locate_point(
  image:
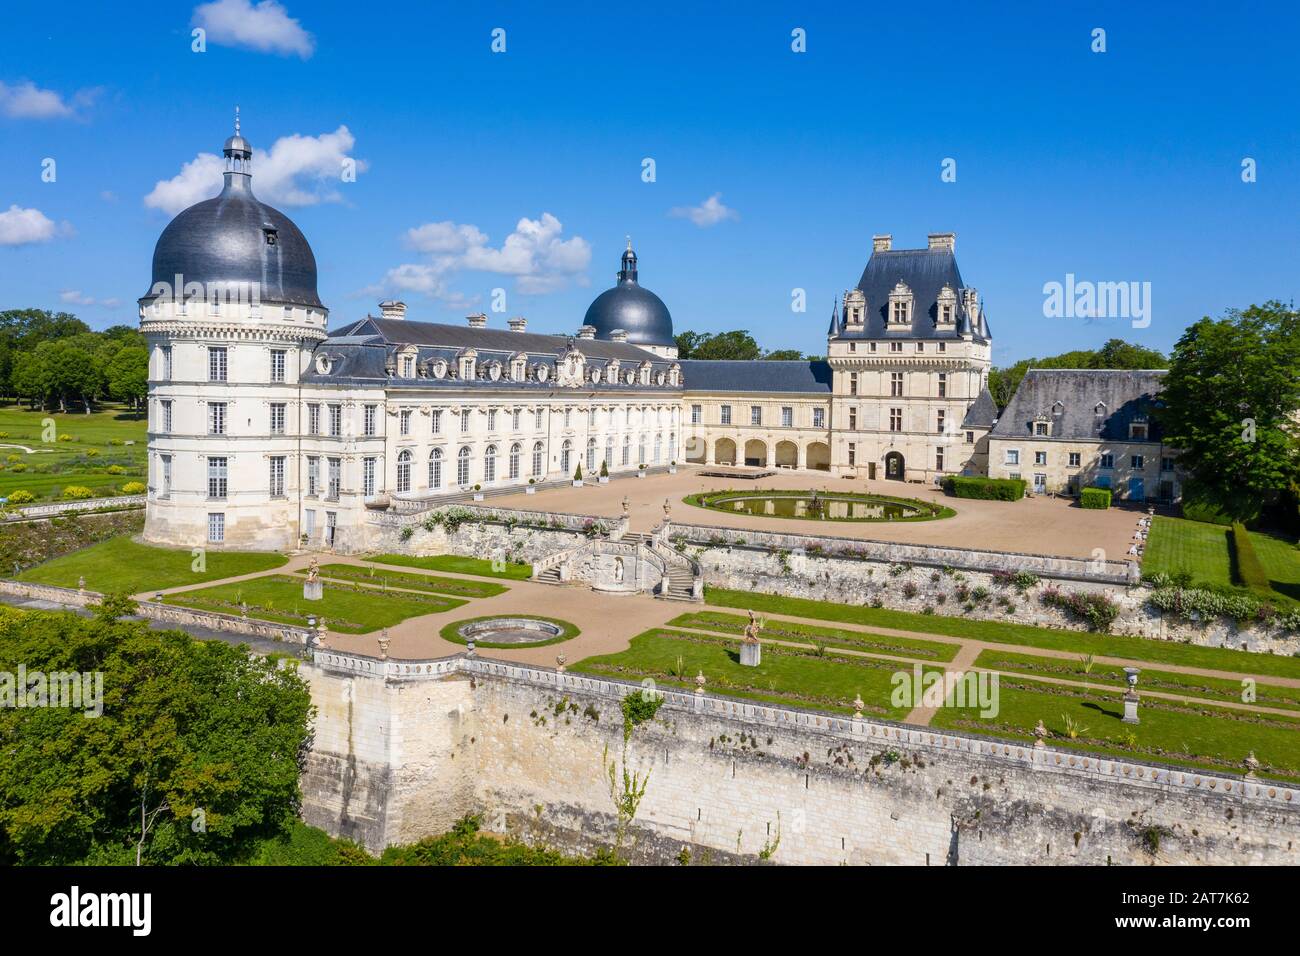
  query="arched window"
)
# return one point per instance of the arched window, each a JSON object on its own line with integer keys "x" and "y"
{"x": 404, "y": 470}
{"x": 627, "y": 449}
{"x": 640, "y": 449}
{"x": 565, "y": 454}
{"x": 659, "y": 447}
{"x": 462, "y": 467}
{"x": 538, "y": 469}
{"x": 515, "y": 449}
{"x": 591, "y": 454}
{"x": 435, "y": 470}
{"x": 490, "y": 465}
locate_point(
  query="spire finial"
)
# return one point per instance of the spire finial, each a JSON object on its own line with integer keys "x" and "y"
{"x": 236, "y": 120}
{"x": 629, "y": 243}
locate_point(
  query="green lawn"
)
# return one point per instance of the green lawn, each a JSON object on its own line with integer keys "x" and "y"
{"x": 53, "y": 465}
{"x": 456, "y": 565}
{"x": 1000, "y": 632}
{"x": 383, "y": 578}
{"x": 1212, "y": 738}
{"x": 786, "y": 676}
{"x": 1191, "y": 685}
{"x": 120, "y": 564}
{"x": 1205, "y": 551}
{"x": 345, "y": 609}
{"x": 812, "y": 634}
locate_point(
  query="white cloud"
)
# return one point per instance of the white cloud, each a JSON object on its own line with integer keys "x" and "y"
{"x": 296, "y": 171}
{"x": 535, "y": 254}
{"x": 26, "y": 100}
{"x": 21, "y": 227}
{"x": 708, "y": 213}
{"x": 265, "y": 27}
{"x": 75, "y": 297}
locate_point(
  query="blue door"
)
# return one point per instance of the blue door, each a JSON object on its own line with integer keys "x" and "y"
{"x": 1137, "y": 489}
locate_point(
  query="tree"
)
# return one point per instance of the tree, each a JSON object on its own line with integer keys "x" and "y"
{"x": 783, "y": 355}
{"x": 736, "y": 345}
{"x": 128, "y": 376}
{"x": 1230, "y": 403}
{"x": 186, "y": 726}
{"x": 686, "y": 343}
{"x": 21, "y": 330}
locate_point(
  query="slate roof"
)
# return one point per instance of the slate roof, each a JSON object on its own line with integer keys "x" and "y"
{"x": 983, "y": 411}
{"x": 925, "y": 272}
{"x": 1123, "y": 395}
{"x": 757, "y": 376}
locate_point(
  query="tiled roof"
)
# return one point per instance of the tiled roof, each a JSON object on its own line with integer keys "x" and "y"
{"x": 756, "y": 376}
{"x": 1083, "y": 404}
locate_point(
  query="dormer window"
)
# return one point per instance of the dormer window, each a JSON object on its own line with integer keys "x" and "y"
{"x": 1137, "y": 431}
{"x": 272, "y": 236}
{"x": 947, "y": 306}
{"x": 900, "y": 305}
{"x": 1058, "y": 409}
{"x": 1042, "y": 428}
{"x": 518, "y": 368}
{"x": 645, "y": 374}
{"x": 855, "y": 307}
{"x": 466, "y": 364}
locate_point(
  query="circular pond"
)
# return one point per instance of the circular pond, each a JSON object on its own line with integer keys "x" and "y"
{"x": 819, "y": 506}
{"x": 509, "y": 631}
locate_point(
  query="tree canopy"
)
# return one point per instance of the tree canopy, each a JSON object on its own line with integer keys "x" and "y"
{"x": 737, "y": 345}
{"x": 53, "y": 358}
{"x": 1116, "y": 353}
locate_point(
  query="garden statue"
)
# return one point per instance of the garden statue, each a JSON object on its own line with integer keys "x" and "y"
{"x": 751, "y": 651}
{"x": 1252, "y": 765}
{"x": 560, "y": 661}
{"x": 1040, "y": 731}
{"x": 668, "y": 509}
{"x": 625, "y": 503}
{"x": 618, "y": 570}
{"x": 858, "y": 704}
{"x": 384, "y": 641}
{"x": 313, "y": 589}
{"x": 1131, "y": 696}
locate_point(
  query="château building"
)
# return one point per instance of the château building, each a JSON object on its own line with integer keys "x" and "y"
{"x": 268, "y": 431}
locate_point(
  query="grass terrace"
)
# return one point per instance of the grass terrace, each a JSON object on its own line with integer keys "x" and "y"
{"x": 837, "y": 638}
{"x": 456, "y": 564}
{"x": 121, "y": 564}
{"x": 88, "y": 451}
{"x": 1204, "y": 551}
{"x": 344, "y": 608}
{"x": 386, "y": 579}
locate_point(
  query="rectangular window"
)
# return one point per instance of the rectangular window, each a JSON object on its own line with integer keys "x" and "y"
{"x": 216, "y": 365}
{"x": 895, "y": 346}
{"x": 165, "y": 426}
{"x": 568, "y": 418}
{"x": 166, "y": 490}
{"x": 726, "y": 414}
{"x": 1040, "y": 428}
{"x": 492, "y": 419}
{"x": 437, "y": 421}
{"x": 787, "y": 416}
{"x": 970, "y": 438}
{"x": 853, "y": 419}
{"x": 336, "y": 421}
{"x": 404, "y": 421}
{"x": 277, "y": 418}
{"x": 335, "y": 478}
{"x": 943, "y": 346}
{"x": 217, "y": 418}
{"x": 1137, "y": 431}
{"x": 819, "y": 418}
{"x": 368, "y": 477}
{"x": 216, "y": 528}
{"x": 408, "y": 366}
{"x": 277, "y": 476}
{"x": 1040, "y": 458}
{"x": 313, "y": 419}
{"x": 1137, "y": 462}
{"x": 896, "y": 384}
{"x": 938, "y": 459}
{"x": 331, "y": 523}
{"x": 853, "y": 383}
{"x": 943, "y": 384}
{"x": 369, "y": 419}
{"x": 309, "y": 523}
{"x": 920, "y": 346}
{"x": 277, "y": 365}
{"x": 1166, "y": 464}
{"x": 756, "y": 414}
{"x": 1107, "y": 461}
{"x": 464, "y": 419}
{"x": 217, "y": 476}
{"x": 895, "y": 419}
{"x": 166, "y": 363}
{"x": 313, "y": 475}
{"x": 853, "y": 454}
{"x": 514, "y": 420}
{"x": 697, "y": 414}
{"x": 941, "y": 419}
{"x": 1012, "y": 456}
{"x": 1075, "y": 459}
{"x": 537, "y": 420}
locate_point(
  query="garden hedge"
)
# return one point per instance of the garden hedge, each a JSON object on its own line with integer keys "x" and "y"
{"x": 1095, "y": 498}
{"x": 991, "y": 489}
{"x": 1250, "y": 571}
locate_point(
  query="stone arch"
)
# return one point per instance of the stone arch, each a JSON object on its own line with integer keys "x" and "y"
{"x": 895, "y": 466}
{"x": 696, "y": 449}
{"x": 818, "y": 456}
{"x": 724, "y": 451}
{"x": 787, "y": 454}
{"x": 756, "y": 452}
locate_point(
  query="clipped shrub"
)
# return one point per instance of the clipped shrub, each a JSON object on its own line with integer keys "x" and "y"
{"x": 92, "y": 452}
{"x": 1250, "y": 572}
{"x": 77, "y": 493}
{"x": 1098, "y": 498}
{"x": 990, "y": 489}
{"x": 21, "y": 496}
{"x": 115, "y": 470}
{"x": 1097, "y": 610}
{"x": 20, "y": 466}
{"x": 133, "y": 488}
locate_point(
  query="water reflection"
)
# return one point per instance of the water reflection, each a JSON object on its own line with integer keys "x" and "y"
{"x": 817, "y": 508}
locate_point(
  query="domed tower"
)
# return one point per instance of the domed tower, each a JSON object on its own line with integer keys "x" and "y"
{"x": 635, "y": 310}
{"x": 231, "y": 318}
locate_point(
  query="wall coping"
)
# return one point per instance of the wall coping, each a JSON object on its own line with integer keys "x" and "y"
{"x": 1017, "y": 752}
{"x": 119, "y": 503}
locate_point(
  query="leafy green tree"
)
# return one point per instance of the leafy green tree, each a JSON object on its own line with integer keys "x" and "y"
{"x": 737, "y": 344}
{"x": 21, "y": 330}
{"x": 195, "y": 758}
{"x": 783, "y": 355}
{"x": 1230, "y": 404}
{"x": 128, "y": 376}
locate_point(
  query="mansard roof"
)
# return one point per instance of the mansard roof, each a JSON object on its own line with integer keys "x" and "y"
{"x": 983, "y": 412}
{"x": 925, "y": 272}
{"x": 1083, "y": 404}
{"x": 758, "y": 376}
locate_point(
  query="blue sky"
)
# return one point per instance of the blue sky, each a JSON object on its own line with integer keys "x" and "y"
{"x": 1115, "y": 166}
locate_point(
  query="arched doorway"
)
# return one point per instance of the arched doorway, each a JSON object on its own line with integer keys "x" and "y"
{"x": 755, "y": 453}
{"x": 787, "y": 454}
{"x": 724, "y": 451}
{"x": 818, "y": 456}
{"x": 895, "y": 467}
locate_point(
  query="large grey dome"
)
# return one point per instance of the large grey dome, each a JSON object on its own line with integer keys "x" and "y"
{"x": 629, "y": 307}
{"x": 236, "y": 239}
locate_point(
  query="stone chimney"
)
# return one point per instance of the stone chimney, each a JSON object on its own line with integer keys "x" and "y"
{"x": 587, "y": 332}
{"x": 477, "y": 321}
{"x": 943, "y": 240}
{"x": 618, "y": 335}
{"x": 391, "y": 309}
{"x": 882, "y": 243}
{"x": 518, "y": 324}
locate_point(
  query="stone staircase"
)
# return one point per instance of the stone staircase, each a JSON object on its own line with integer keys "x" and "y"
{"x": 678, "y": 583}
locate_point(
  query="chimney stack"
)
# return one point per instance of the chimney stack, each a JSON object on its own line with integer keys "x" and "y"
{"x": 618, "y": 335}
{"x": 943, "y": 240}
{"x": 882, "y": 243}
{"x": 587, "y": 332}
{"x": 518, "y": 324}
{"x": 391, "y": 309}
{"x": 477, "y": 321}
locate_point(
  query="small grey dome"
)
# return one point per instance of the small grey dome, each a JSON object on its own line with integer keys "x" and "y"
{"x": 628, "y": 306}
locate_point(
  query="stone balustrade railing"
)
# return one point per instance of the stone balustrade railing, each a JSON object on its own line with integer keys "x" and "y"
{"x": 121, "y": 502}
